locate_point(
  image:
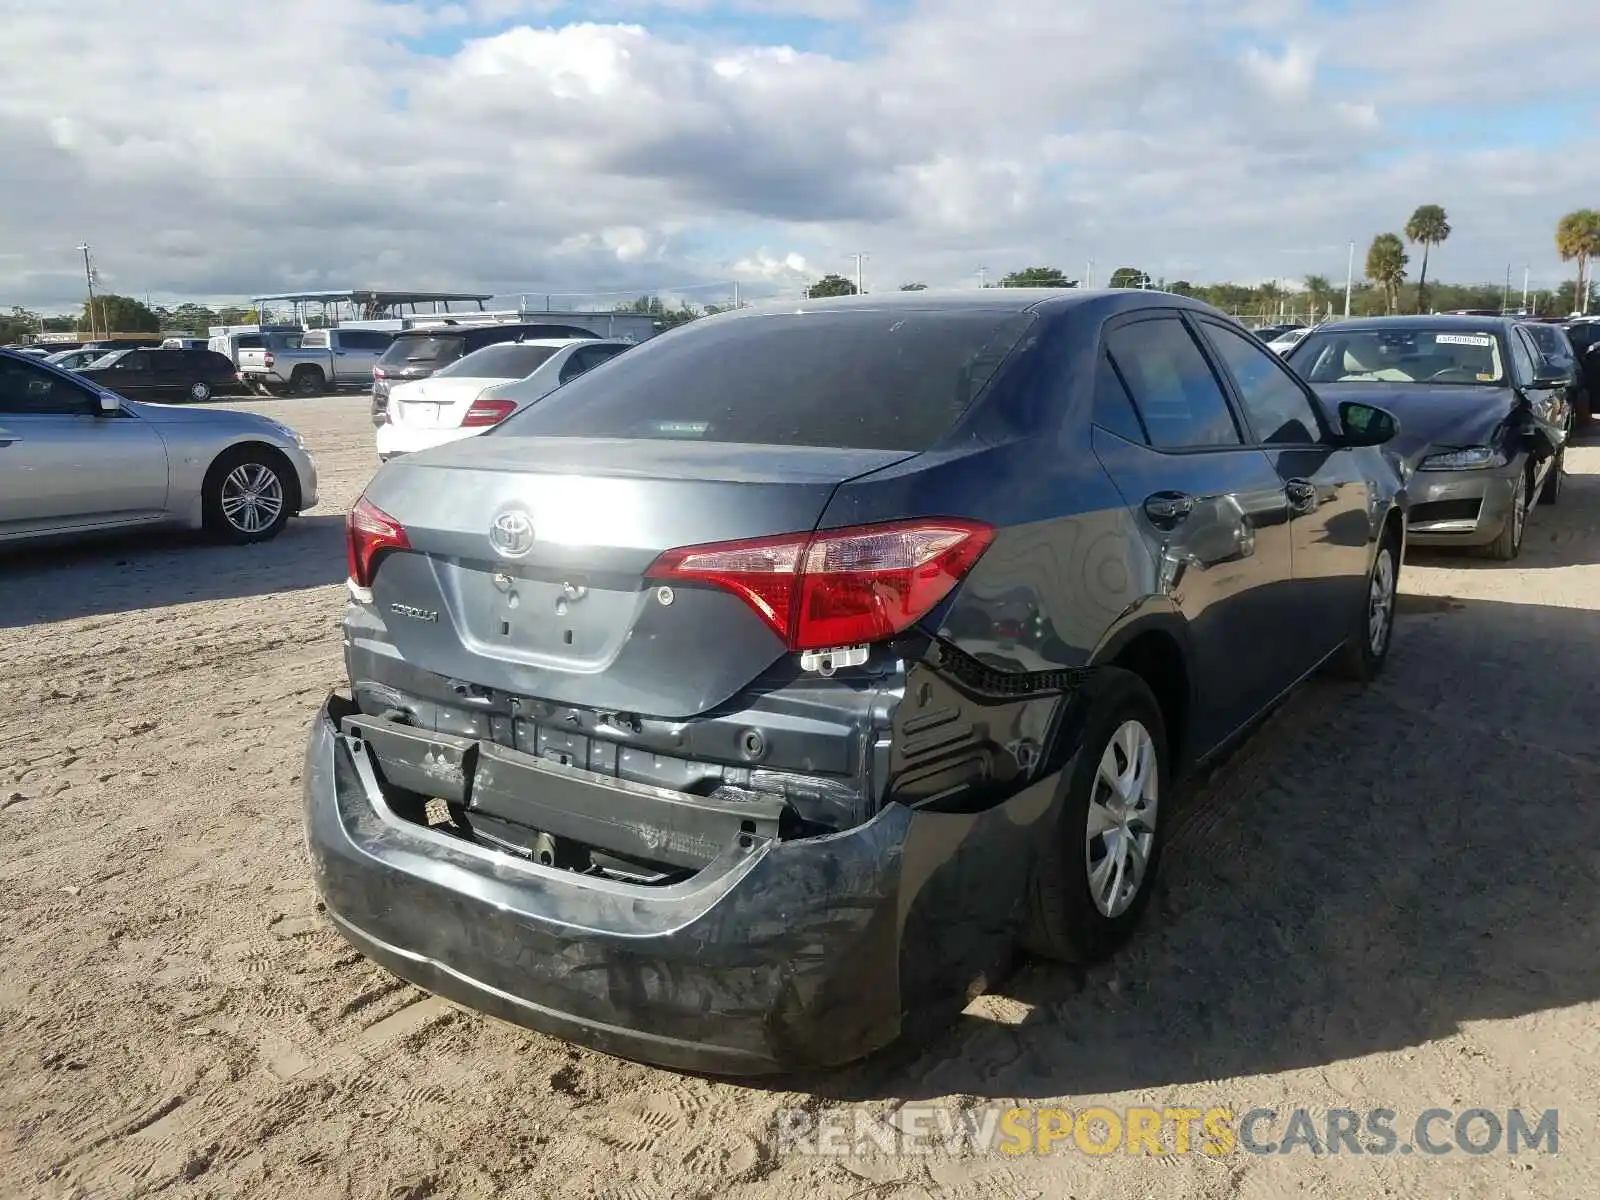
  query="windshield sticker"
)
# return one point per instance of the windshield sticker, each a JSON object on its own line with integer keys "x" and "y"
{"x": 1463, "y": 339}
{"x": 1488, "y": 378}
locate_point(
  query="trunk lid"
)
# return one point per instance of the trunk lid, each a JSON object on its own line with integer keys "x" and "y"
{"x": 436, "y": 403}
{"x": 571, "y": 619}
{"x": 253, "y": 358}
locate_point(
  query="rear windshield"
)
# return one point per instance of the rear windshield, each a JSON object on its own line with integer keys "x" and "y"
{"x": 870, "y": 379}
{"x": 505, "y": 361}
{"x": 431, "y": 351}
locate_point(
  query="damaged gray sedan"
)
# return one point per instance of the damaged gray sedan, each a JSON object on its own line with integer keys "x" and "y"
{"x": 746, "y": 703}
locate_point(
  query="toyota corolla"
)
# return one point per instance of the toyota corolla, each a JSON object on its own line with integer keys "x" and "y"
{"x": 742, "y": 705}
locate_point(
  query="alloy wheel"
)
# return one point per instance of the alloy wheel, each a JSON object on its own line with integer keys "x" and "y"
{"x": 252, "y": 497}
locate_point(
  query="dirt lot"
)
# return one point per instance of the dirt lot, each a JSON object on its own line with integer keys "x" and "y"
{"x": 1389, "y": 898}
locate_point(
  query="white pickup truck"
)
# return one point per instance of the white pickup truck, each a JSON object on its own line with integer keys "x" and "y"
{"x": 313, "y": 361}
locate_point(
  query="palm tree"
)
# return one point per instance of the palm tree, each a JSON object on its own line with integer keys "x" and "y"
{"x": 1578, "y": 237}
{"x": 1386, "y": 266}
{"x": 1270, "y": 294}
{"x": 1427, "y": 227}
{"x": 1319, "y": 292}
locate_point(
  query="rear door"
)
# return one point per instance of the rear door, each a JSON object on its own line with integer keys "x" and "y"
{"x": 171, "y": 373}
{"x": 1329, "y": 495}
{"x": 63, "y": 466}
{"x": 1213, "y": 508}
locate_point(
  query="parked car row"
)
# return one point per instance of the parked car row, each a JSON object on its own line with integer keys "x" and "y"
{"x": 743, "y": 699}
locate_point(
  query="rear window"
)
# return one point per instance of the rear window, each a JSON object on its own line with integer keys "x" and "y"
{"x": 506, "y": 361}
{"x": 870, "y": 379}
{"x": 429, "y": 351}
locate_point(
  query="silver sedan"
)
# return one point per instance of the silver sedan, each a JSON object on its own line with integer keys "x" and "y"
{"x": 76, "y": 458}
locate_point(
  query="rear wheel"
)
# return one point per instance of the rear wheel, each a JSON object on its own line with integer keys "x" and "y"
{"x": 1509, "y": 544}
{"x": 199, "y": 391}
{"x": 1096, "y": 868}
{"x": 306, "y": 381}
{"x": 246, "y": 496}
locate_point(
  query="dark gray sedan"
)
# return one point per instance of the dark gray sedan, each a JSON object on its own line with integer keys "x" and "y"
{"x": 1483, "y": 419}
{"x": 742, "y": 704}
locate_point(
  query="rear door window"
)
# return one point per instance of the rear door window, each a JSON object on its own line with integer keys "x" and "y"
{"x": 1113, "y": 407}
{"x": 585, "y": 359}
{"x": 1177, "y": 394}
{"x": 892, "y": 379}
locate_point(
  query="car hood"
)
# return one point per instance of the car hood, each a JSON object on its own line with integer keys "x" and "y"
{"x": 220, "y": 419}
{"x": 1431, "y": 414}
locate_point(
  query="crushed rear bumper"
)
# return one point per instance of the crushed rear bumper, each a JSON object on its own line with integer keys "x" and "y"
{"x": 774, "y": 956}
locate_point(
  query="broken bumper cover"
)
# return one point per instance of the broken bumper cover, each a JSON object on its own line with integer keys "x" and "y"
{"x": 776, "y": 956}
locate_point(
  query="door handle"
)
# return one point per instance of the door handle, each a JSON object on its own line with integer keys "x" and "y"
{"x": 1302, "y": 494}
{"x": 1166, "y": 509}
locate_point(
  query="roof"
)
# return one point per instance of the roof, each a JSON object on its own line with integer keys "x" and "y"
{"x": 1003, "y": 299}
{"x": 1443, "y": 321}
{"x": 376, "y": 296}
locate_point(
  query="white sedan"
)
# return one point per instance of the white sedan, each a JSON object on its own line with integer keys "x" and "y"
{"x": 1286, "y": 342}
{"x": 481, "y": 389}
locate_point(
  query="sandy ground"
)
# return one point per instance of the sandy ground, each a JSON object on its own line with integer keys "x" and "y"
{"x": 1388, "y": 898}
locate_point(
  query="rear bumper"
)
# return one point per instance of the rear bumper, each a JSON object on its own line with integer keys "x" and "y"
{"x": 776, "y": 956}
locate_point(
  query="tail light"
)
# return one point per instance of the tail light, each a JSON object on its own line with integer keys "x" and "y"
{"x": 487, "y": 412}
{"x": 369, "y": 531}
{"x": 268, "y": 359}
{"x": 837, "y": 587}
{"x": 377, "y": 372}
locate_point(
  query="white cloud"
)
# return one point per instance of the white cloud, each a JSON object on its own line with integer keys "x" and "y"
{"x": 314, "y": 143}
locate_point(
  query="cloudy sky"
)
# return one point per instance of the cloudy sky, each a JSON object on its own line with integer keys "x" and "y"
{"x": 212, "y": 150}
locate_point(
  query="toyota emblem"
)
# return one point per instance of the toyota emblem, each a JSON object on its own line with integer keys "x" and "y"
{"x": 511, "y": 535}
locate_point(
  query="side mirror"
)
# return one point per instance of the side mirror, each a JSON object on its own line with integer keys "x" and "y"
{"x": 1367, "y": 424}
{"x": 1547, "y": 377}
{"x": 110, "y": 404}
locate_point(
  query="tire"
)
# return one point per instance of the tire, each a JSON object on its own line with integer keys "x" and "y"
{"x": 1550, "y": 493}
{"x": 1065, "y": 921}
{"x": 1508, "y": 545}
{"x": 306, "y": 381}
{"x": 199, "y": 391}
{"x": 237, "y": 474}
{"x": 1367, "y": 647}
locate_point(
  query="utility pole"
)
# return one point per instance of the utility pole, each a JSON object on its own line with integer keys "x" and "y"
{"x": 736, "y": 303}
{"x": 88, "y": 277}
{"x": 1089, "y": 275}
{"x": 983, "y": 278}
{"x": 1349, "y": 279}
{"x": 860, "y": 257}
{"x": 1524, "y": 289}
{"x": 1505, "y": 299}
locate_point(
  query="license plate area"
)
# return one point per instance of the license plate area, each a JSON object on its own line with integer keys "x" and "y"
{"x": 567, "y": 620}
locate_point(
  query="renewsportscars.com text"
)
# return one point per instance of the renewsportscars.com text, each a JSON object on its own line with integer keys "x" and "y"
{"x": 1213, "y": 1131}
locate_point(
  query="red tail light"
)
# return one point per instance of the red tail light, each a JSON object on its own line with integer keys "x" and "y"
{"x": 377, "y": 372}
{"x": 268, "y": 359}
{"x": 487, "y": 412}
{"x": 837, "y": 587}
{"x": 369, "y": 531}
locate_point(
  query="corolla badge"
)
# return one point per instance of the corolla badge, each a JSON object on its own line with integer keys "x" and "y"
{"x": 511, "y": 535}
